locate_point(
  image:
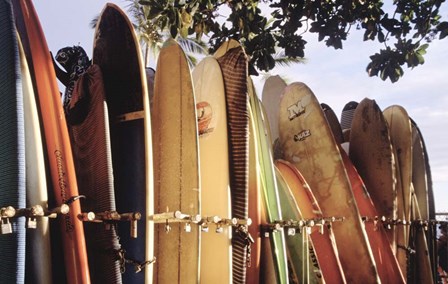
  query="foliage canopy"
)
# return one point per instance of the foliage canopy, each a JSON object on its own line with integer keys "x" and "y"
{"x": 405, "y": 28}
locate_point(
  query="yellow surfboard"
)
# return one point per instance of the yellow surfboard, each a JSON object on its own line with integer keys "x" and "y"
{"x": 176, "y": 167}
{"x": 216, "y": 246}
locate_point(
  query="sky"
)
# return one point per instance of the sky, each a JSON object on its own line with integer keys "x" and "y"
{"x": 335, "y": 76}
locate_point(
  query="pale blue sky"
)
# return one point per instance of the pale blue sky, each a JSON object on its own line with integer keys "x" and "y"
{"x": 335, "y": 76}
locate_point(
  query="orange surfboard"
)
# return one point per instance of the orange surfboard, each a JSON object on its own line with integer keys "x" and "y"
{"x": 61, "y": 166}
{"x": 324, "y": 247}
{"x": 386, "y": 262}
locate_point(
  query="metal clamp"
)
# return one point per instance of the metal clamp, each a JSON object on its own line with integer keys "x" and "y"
{"x": 294, "y": 226}
{"x": 222, "y": 222}
{"x": 31, "y": 214}
{"x": 108, "y": 217}
{"x": 175, "y": 217}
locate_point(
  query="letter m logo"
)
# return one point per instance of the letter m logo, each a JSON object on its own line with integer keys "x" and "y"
{"x": 295, "y": 110}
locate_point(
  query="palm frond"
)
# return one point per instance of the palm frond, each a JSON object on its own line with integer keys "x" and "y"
{"x": 190, "y": 45}
{"x": 288, "y": 61}
{"x": 94, "y": 21}
{"x": 282, "y": 60}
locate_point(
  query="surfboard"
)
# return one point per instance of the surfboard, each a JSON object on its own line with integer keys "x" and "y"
{"x": 267, "y": 263}
{"x": 419, "y": 181}
{"x": 216, "y": 246}
{"x": 386, "y": 262}
{"x": 58, "y": 148}
{"x": 400, "y": 134}
{"x": 12, "y": 151}
{"x": 333, "y": 122}
{"x": 117, "y": 53}
{"x": 269, "y": 186}
{"x": 298, "y": 243}
{"x": 255, "y": 206}
{"x": 420, "y": 269}
{"x": 308, "y": 143}
{"x": 38, "y": 247}
{"x": 271, "y": 94}
{"x": 233, "y": 63}
{"x": 176, "y": 166}
{"x": 372, "y": 155}
{"x": 431, "y": 231}
{"x": 347, "y": 118}
{"x": 324, "y": 251}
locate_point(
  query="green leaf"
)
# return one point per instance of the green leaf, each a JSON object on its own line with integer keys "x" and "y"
{"x": 443, "y": 29}
{"x": 420, "y": 58}
{"x": 422, "y": 49}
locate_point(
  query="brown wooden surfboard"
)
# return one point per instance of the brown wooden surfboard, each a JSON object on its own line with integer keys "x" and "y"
{"x": 308, "y": 143}
{"x": 372, "y": 154}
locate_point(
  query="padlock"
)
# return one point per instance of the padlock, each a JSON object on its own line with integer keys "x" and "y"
{"x": 187, "y": 228}
{"x": 6, "y": 227}
{"x": 308, "y": 230}
{"x": 219, "y": 230}
{"x": 31, "y": 223}
{"x": 291, "y": 231}
{"x": 204, "y": 228}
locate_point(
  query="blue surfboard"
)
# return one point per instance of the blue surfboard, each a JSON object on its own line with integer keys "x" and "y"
{"x": 12, "y": 151}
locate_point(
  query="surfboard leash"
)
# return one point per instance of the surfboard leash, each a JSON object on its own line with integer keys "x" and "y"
{"x": 138, "y": 265}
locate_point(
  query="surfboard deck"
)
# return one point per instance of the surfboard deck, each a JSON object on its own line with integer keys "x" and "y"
{"x": 308, "y": 143}
{"x": 347, "y": 118}
{"x": 301, "y": 269}
{"x": 333, "y": 122}
{"x": 386, "y": 262}
{"x": 255, "y": 205}
{"x": 38, "y": 246}
{"x": 324, "y": 246}
{"x": 372, "y": 154}
{"x": 423, "y": 265}
{"x": 420, "y": 270}
{"x": 58, "y": 148}
{"x": 269, "y": 186}
{"x": 117, "y": 52}
{"x": 431, "y": 232}
{"x": 12, "y": 151}
{"x": 216, "y": 248}
{"x": 271, "y": 94}
{"x": 400, "y": 134}
{"x": 234, "y": 66}
{"x": 176, "y": 170}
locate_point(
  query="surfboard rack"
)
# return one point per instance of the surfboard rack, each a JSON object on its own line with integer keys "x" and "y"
{"x": 222, "y": 222}
{"x": 175, "y": 217}
{"x": 204, "y": 222}
{"x": 31, "y": 214}
{"x": 388, "y": 222}
{"x": 110, "y": 217}
{"x": 294, "y": 226}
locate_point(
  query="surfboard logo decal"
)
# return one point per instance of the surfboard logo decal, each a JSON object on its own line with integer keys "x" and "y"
{"x": 204, "y": 114}
{"x": 299, "y": 108}
{"x": 63, "y": 188}
{"x": 302, "y": 135}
